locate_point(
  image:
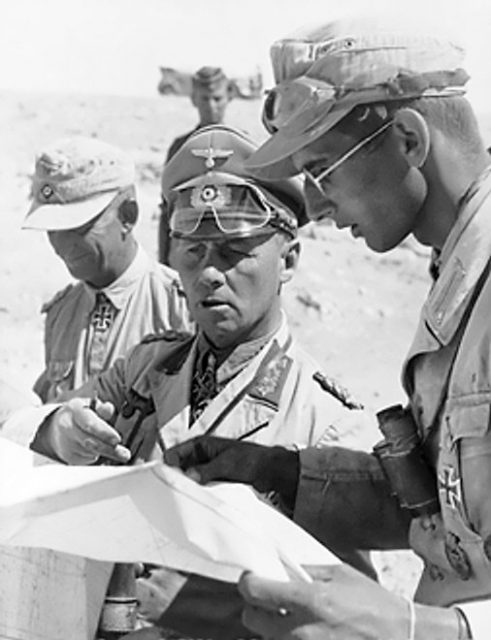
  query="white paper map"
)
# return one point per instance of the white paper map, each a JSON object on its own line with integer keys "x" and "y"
{"x": 149, "y": 513}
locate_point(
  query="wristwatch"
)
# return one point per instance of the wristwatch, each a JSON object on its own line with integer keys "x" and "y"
{"x": 464, "y": 627}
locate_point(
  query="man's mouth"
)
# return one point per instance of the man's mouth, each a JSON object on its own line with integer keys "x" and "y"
{"x": 211, "y": 303}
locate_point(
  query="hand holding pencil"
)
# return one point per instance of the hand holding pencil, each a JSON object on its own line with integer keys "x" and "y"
{"x": 79, "y": 432}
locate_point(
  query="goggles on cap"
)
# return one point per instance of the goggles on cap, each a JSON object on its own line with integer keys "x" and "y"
{"x": 235, "y": 209}
{"x": 301, "y": 105}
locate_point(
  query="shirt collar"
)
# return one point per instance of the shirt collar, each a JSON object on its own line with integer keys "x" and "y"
{"x": 233, "y": 359}
{"x": 463, "y": 258}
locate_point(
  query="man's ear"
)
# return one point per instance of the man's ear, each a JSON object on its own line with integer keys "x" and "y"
{"x": 414, "y": 136}
{"x": 128, "y": 215}
{"x": 290, "y": 256}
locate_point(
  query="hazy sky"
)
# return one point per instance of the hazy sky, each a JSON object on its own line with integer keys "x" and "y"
{"x": 116, "y": 46}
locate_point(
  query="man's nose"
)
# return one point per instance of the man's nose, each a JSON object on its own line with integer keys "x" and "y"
{"x": 212, "y": 272}
{"x": 317, "y": 203}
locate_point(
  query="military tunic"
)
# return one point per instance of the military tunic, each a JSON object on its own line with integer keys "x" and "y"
{"x": 272, "y": 399}
{"x": 146, "y": 298}
{"x": 448, "y": 379}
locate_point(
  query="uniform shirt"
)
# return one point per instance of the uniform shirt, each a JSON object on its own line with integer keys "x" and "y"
{"x": 147, "y": 298}
{"x": 447, "y": 376}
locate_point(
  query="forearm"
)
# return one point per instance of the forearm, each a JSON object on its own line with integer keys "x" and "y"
{"x": 344, "y": 500}
{"x": 41, "y": 442}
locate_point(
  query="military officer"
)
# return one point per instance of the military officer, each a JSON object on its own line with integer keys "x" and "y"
{"x": 83, "y": 195}
{"x": 375, "y": 118}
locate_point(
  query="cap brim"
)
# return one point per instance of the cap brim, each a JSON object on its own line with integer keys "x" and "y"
{"x": 215, "y": 177}
{"x": 60, "y": 217}
{"x": 273, "y": 159}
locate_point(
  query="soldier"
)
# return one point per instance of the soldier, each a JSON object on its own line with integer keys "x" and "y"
{"x": 242, "y": 375}
{"x": 376, "y": 120}
{"x": 83, "y": 195}
{"x": 210, "y": 94}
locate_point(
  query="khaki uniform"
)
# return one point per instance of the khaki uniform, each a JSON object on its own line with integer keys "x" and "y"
{"x": 272, "y": 400}
{"x": 147, "y": 299}
{"x": 448, "y": 379}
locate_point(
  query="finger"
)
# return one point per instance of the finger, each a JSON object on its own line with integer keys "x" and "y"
{"x": 182, "y": 455}
{"x": 104, "y": 410}
{"x": 224, "y": 467}
{"x": 273, "y": 595}
{"x": 222, "y": 459}
{"x": 194, "y": 475}
{"x": 91, "y": 424}
{"x": 320, "y": 573}
{"x": 87, "y": 446}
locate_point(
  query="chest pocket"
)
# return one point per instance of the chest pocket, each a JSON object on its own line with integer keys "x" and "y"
{"x": 468, "y": 421}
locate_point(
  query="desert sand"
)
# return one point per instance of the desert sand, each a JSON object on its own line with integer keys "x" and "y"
{"x": 354, "y": 310}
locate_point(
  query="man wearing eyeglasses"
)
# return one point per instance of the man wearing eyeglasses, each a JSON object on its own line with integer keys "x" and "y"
{"x": 83, "y": 195}
{"x": 374, "y": 116}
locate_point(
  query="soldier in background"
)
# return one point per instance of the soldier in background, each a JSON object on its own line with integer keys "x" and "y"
{"x": 83, "y": 195}
{"x": 210, "y": 94}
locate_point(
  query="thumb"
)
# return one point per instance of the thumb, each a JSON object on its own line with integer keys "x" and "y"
{"x": 105, "y": 410}
{"x": 224, "y": 467}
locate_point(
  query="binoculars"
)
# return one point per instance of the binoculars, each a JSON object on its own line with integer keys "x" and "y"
{"x": 404, "y": 463}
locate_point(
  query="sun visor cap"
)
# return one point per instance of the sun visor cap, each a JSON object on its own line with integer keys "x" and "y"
{"x": 74, "y": 180}
{"x": 322, "y": 74}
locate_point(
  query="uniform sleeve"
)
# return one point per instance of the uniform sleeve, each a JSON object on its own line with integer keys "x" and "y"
{"x": 343, "y": 495}
{"x": 22, "y": 426}
{"x": 41, "y": 386}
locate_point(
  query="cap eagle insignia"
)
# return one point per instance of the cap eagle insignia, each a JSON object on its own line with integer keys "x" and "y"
{"x": 211, "y": 155}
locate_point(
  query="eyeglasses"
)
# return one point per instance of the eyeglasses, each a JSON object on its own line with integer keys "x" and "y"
{"x": 317, "y": 180}
{"x": 234, "y": 209}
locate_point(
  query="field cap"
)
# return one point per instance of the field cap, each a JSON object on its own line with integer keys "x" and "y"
{"x": 209, "y": 77}
{"x": 321, "y": 74}
{"x": 74, "y": 180}
{"x": 212, "y": 193}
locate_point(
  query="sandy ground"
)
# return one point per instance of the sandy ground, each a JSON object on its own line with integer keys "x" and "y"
{"x": 354, "y": 310}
